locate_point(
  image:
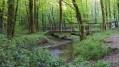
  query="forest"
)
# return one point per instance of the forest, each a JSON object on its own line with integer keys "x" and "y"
{"x": 59, "y": 33}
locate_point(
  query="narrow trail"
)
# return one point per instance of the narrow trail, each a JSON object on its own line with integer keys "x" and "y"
{"x": 113, "y": 58}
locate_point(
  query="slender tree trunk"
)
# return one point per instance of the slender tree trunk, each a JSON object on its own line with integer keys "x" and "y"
{"x": 115, "y": 17}
{"x": 114, "y": 12}
{"x": 36, "y": 14}
{"x": 1, "y": 21}
{"x": 118, "y": 9}
{"x": 60, "y": 21}
{"x": 10, "y": 24}
{"x": 79, "y": 19}
{"x": 50, "y": 22}
{"x": 31, "y": 18}
{"x": 106, "y": 10}
{"x": 27, "y": 16}
{"x": 43, "y": 23}
{"x": 110, "y": 10}
{"x": 53, "y": 18}
{"x": 95, "y": 12}
{"x": 87, "y": 16}
{"x": 103, "y": 15}
{"x": 15, "y": 15}
{"x": 1, "y": 16}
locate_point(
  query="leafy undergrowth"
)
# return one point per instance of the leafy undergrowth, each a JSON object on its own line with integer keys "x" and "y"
{"x": 19, "y": 52}
{"x": 31, "y": 37}
{"x": 23, "y": 51}
{"x": 93, "y": 48}
{"x": 81, "y": 62}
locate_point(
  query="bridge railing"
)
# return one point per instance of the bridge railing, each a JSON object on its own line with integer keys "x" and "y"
{"x": 90, "y": 27}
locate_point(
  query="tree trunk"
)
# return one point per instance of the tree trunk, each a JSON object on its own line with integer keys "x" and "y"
{"x": 103, "y": 15}
{"x": 43, "y": 22}
{"x": 31, "y": 18}
{"x": 15, "y": 16}
{"x": 60, "y": 21}
{"x": 1, "y": 16}
{"x": 36, "y": 14}
{"x": 106, "y": 11}
{"x": 53, "y": 17}
{"x": 118, "y": 9}
{"x": 95, "y": 12}
{"x": 10, "y": 24}
{"x": 79, "y": 19}
{"x": 110, "y": 16}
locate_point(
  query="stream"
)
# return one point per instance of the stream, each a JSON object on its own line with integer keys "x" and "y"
{"x": 65, "y": 51}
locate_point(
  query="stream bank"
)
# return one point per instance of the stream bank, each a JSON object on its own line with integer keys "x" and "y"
{"x": 62, "y": 48}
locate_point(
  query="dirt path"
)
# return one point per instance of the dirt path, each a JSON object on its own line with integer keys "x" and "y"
{"x": 113, "y": 58}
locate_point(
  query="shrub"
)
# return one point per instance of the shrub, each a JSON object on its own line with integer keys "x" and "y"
{"x": 93, "y": 47}
{"x": 22, "y": 54}
{"x": 91, "y": 50}
{"x": 102, "y": 63}
{"x": 29, "y": 38}
{"x": 81, "y": 62}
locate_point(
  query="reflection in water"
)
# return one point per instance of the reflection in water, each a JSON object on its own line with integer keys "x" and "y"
{"x": 64, "y": 51}
{"x": 56, "y": 52}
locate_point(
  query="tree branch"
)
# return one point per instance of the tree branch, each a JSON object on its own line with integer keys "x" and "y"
{"x": 68, "y": 4}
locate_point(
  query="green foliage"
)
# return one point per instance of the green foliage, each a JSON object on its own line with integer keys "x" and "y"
{"x": 81, "y": 62}
{"x": 21, "y": 30}
{"x": 92, "y": 47}
{"x": 26, "y": 54}
{"x": 102, "y": 63}
{"x": 29, "y": 38}
{"x": 91, "y": 50}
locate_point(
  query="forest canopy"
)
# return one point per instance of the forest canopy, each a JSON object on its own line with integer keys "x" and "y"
{"x": 41, "y": 14}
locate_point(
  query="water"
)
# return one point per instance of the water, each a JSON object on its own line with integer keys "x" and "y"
{"x": 65, "y": 51}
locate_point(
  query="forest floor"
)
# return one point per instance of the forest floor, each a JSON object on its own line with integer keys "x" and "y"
{"x": 113, "y": 57}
